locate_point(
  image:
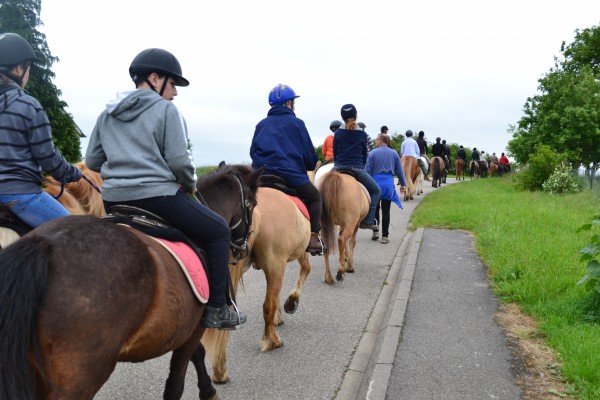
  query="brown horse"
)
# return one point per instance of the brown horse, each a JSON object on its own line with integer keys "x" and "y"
{"x": 411, "y": 169}
{"x": 437, "y": 171}
{"x": 459, "y": 165}
{"x": 474, "y": 169}
{"x": 493, "y": 169}
{"x": 345, "y": 204}
{"x": 79, "y": 294}
{"x": 280, "y": 233}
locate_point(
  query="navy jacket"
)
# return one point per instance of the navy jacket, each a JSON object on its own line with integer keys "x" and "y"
{"x": 350, "y": 148}
{"x": 282, "y": 143}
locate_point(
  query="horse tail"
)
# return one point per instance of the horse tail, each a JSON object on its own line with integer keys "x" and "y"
{"x": 329, "y": 188}
{"x": 437, "y": 169}
{"x": 471, "y": 168}
{"x": 407, "y": 166}
{"x": 23, "y": 280}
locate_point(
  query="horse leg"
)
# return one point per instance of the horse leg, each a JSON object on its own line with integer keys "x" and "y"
{"x": 270, "y": 339}
{"x": 328, "y": 277}
{"x": 350, "y": 251}
{"x": 207, "y": 390}
{"x": 343, "y": 259}
{"x": 291, "y": 304}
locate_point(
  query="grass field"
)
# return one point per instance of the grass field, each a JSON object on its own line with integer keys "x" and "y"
{"x": 529, "y": 243}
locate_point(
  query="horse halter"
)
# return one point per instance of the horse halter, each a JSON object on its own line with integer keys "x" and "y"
{"x": 239, "y": 244}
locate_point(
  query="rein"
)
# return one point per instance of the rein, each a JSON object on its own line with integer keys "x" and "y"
{"x": 239, "y": 244}
{"x": 88, "y": 180}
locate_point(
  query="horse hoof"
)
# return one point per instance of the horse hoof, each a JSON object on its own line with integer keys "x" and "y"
{"x": 290, "y": 306}
{"x": 350, "y": 270}
{"x": 339, "y": 277}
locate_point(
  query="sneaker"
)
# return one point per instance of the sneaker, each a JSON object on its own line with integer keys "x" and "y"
{"x": 372, "y": 227}
{"x": 375, "y": 236}
{"x": 385, "y": 240}
{"x": 222, "y": 317}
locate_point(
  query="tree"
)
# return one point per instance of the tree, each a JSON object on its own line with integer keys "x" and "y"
{"x": 566, "y": 114}
{"x": 22, "y": 17}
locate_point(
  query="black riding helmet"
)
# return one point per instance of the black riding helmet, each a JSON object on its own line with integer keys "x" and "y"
{"x": 14, "y": 50}
{"x": 159, "y": 61}
{"x": 335, "y": 125}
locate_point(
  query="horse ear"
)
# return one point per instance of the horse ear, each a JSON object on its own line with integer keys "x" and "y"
{"x": 222, "y": 165}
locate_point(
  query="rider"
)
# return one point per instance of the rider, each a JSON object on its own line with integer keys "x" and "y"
{"x": 27, "y": 147}
{"x": 409, "y": 147}
{"x": 140, "y": 146}
{"x": 494, "y": 159}
{"x": 446, "y": 154}
{"x": 504, "y": 162}
{"x": 475, "y": 155}
{"x": 281, "y": 143}
{"x": 370, "y": 143}
{"x": 423, "y": 151}
{"x": 328, "y": 144}
{"x": 482, "y": 161}
{"x": 438, "y": 149}
{"x": 461, "y": 154}
{"x": 350, "y": 148}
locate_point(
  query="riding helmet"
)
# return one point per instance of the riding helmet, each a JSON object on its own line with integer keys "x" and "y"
{"x": 334, "y": 125}
{"x": 281, "y": 94}
{"x": 14, "y": 50}
{"x": 159, "y": 61}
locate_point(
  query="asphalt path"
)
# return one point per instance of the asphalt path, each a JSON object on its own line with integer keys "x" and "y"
{"x": 321, "y": 340}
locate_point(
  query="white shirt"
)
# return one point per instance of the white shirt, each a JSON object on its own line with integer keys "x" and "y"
{"x": 410, "y": 147}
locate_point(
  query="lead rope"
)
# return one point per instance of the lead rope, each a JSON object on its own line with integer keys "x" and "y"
{"x": 88, "y": 180}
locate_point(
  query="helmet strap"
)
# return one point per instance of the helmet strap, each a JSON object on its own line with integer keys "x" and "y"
{"x": 162, "y": 89}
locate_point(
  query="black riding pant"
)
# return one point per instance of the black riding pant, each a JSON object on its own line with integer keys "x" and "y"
{"x": 384, "y": 205}
{"x": 312, "y": 197}
{"x": 200, "y": 224}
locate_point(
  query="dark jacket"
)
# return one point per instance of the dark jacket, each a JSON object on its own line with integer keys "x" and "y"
{"x": 282, "y": 143}
{"x": 350, "y": 148}
{"x": 438, "y": 150}
{"x": 422, "y": 145}
{"x": 461, "y": 154}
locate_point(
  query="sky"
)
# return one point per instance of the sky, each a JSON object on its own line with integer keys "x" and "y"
{"x": 461, "y": 70}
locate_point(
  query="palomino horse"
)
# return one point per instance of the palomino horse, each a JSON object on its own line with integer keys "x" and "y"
{"x": 345, "y": 204}
{"x": 79, "y": 198}
{"x": 459, "y": 165}
{"x": 437, "y": 171}
{"x": 79, "y": 294}
{"x": 411, "y": 169}
{"x": 280, "y": 233}
{"x": 474, "y": 169}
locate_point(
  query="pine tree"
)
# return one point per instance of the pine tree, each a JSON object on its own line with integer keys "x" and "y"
{"x": 22, "y": 17}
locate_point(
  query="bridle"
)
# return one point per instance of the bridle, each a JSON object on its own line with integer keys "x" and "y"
{"x": 240, "y": 229}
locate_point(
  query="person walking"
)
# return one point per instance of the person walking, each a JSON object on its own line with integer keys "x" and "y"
{"x": 383, "y": 163}
{"x": 282, "y": 144}
{"x": 350, "y": 148}
{"x": 140, "y": 147}
{"x": 27, "y": 148}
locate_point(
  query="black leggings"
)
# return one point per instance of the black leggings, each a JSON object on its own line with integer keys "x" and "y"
{"x": 311, "y": 195}
{"x": 203, "y": 226}
{"x": 385, "y": 216}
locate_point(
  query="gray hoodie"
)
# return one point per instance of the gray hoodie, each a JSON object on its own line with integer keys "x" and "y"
{"x": 139, "y": 145}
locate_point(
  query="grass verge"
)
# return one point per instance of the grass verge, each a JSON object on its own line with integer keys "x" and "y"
{"x": 529, "y": 243}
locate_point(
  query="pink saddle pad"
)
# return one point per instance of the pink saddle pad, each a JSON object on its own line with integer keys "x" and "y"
{"x": 301, "y": 206}
{"x": 191, "y": 265}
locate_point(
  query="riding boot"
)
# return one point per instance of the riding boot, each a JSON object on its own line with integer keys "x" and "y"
{"x": 316, "y": 246}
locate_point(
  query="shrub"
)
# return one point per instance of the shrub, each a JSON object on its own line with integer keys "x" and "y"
{"x": 591, "y": 254}
{"x": 562, "y": 181}
{"x": 540, "y": 166}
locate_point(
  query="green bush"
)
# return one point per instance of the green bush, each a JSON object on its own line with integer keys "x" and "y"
{"x": 591, "y": 254}
{"x": 540, "y": 166}
{"x": 562, "y": 181}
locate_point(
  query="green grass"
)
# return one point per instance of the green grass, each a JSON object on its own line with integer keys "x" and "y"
{"x": 529, "y": 243}
{"x": 204, "y": 170}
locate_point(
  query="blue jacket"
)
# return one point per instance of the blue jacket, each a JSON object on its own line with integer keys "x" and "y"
{"x": 350, "y": 148}
{"x": 282, "y": 143}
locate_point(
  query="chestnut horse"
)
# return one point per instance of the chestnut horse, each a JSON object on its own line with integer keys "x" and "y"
{"x": 459, "y": 165}
{"x": 280, "y": 233}
{"x": 411, "y": 168}
{"x": 79, "y": 294}
{"x": 345, "y": 204}
{"x": 474, "y": 169}
{"x": 437, "y": 171}
{"x": 493, "y": 169}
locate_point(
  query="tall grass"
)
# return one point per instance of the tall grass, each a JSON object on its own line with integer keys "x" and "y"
{"x": 529, "y": 243}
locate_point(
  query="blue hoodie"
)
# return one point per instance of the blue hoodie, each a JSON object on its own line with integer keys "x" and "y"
{"x": 282, "y": 143}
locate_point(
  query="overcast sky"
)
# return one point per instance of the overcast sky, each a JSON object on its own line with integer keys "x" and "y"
{"x": 461, "y": 69}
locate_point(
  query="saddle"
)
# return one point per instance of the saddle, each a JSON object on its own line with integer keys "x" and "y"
{"x": 278, "y": 183}
{"x": 11, "y": 221}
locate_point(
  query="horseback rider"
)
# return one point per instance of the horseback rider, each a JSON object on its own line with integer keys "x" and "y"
{"x": 140, "y": 146}
{"x": 482, "y": 161}
{"x": 327, "y": 149}
{"x": 475, "y": 155}
{"x": 461, "y": 154}
{"x": 281, "y": 143}
{"x": 27, "y": 147}
{"x": 423, "y": 152}
{"x": 504, "y": 163}
{"x": 410, "y": 147}
{"x": 438, "y": 149}
{"x": 494, "y": 159}
{"x": 350, "y": 148}
{"x": 446, "y": 154}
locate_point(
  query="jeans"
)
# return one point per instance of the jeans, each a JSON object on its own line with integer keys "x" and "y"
{"x": 34, "y": 208}
{"x": 203, "y": 226}
{"x": 374, "y": 191}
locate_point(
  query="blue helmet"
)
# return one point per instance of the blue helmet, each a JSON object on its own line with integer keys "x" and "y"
{"x": 280, "y": 94}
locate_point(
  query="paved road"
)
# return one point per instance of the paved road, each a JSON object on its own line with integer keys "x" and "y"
{"x": 342, "y": 341}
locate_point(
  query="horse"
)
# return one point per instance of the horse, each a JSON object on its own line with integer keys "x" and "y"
{"x": 419, "y": 182}
{"x": 80, "y": 294}
{"x": 411, "y": 168}
{"x": 345, "y": 204}
{"x": 459, "y": 165}
{"x": 437, "y": 171}
{"x": 483, "y": 169}
{"x": 474, "y": 169}
{"x": 79, "y": 198}
{"x": 280, "y": 233}
{"x": 493, "y": 169}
